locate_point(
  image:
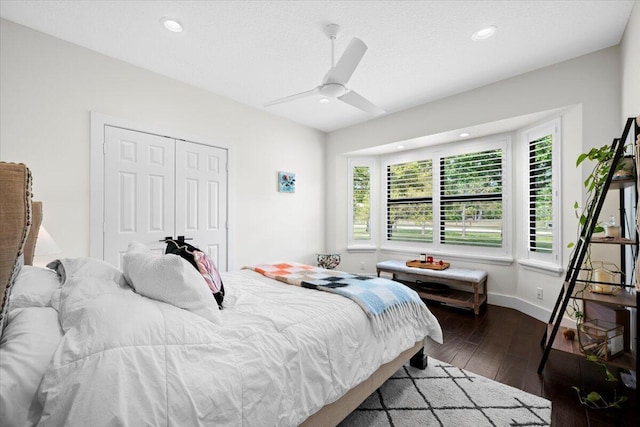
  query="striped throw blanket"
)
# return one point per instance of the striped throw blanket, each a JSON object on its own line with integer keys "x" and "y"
{"x": 386, "y": 303}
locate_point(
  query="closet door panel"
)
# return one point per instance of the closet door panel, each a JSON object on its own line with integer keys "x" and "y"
{"x": 139, "y": 191}
{"x": 201, "y": 198}
{"x": 192, "y": 194}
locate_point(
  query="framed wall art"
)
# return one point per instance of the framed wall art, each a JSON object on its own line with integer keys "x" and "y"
{"x": 286, "y": 182}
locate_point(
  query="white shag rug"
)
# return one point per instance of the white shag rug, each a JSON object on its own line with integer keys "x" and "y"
{"x": 443, "y": 395}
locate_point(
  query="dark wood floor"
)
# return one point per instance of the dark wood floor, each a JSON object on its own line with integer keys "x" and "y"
{"x": 504, "y": 345}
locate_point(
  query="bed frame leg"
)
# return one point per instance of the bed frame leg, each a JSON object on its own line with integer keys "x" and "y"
{"x": 419, "y": 360}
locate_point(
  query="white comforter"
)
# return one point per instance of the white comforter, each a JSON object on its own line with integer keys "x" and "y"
{"x": 281, "y": 354}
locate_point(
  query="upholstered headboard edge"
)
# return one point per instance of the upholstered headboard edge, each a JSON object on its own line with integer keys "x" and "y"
{"x": 32, "y": 238}
{"x": 15, "y": 221}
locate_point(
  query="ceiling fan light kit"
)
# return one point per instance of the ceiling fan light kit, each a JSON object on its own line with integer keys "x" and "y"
{"x": 332, "y": 90}
{"x": 333, "y": 85}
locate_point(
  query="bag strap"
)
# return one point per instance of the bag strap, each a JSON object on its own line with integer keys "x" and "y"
{"x": 181, "y": 245}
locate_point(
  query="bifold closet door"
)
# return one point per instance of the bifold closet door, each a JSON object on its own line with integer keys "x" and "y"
{"x": 201, "y": 198}
{"x": 139, "y": 191}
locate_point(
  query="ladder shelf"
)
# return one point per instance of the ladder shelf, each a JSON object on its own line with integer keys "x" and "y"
{"x": 577, "y": 288}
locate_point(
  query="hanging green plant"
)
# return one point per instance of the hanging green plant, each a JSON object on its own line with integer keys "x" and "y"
{"x": 595, "y": 400}
{"x": 593, "y": 183}
{"x": 602, "y": 156}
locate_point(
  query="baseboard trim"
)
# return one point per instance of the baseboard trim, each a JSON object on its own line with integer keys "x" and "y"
{"x": 540, "y": 313}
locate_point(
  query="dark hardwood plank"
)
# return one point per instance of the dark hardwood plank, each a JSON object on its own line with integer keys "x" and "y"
{"x": 511, "y": 373}
{"x": 447, "y": 351}
{"x": 561, "y": 373}
{"x": 478, "y": 333}
{"x": 485, "y": 363}
{"x": 463, "y": 355}
{"x": 531, "y": 381}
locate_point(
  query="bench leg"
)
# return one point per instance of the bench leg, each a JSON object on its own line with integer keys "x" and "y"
{"x": 476, "y": 299}
{"x": 419, "y": 360}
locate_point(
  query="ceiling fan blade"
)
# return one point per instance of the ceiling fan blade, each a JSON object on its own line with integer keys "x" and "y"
{"x": 355, "y": 100}
{"x": 342, "y": 71}
{"x": 293, "y": 97}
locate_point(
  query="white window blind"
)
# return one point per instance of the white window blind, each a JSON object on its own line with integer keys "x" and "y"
{"x": 410, "y": 201}
{"x": 540, "y": 238}
{"x": 361, "y": 209}
{"x": 471, "y": 199}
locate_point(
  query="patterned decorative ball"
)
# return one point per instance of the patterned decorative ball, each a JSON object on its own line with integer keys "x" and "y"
{"x": 328, "y": 261}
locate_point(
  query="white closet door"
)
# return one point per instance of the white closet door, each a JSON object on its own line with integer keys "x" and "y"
{"x": 139, "y": 191}
{"x": 201, "y": 198}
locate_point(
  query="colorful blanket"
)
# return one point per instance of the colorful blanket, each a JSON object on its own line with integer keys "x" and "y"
{"x": 386, "y": 302}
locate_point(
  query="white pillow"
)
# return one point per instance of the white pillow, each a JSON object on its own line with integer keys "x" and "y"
{"x": 134, "y": 247}
{"x": 33, "y": 287}
{"x": 171, "y": 279}
{"x": 27, "y": 345}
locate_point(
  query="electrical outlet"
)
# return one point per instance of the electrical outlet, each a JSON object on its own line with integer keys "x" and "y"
{"x": 362, "y": 265}
{"x": 539, "y": 293}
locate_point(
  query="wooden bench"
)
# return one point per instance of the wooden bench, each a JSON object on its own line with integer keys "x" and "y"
{"x": 476, "y": 279}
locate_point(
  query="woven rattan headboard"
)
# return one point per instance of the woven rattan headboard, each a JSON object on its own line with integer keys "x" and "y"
{"x": 15, "y": 221}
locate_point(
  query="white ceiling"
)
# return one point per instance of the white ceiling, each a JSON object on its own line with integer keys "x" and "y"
{"x": 257, "y": 51}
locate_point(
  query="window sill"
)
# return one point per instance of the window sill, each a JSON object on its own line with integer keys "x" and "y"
{"x": 541, "y": 267}
{"x": 361, "y": 248}
{"x": 484, "y": 259}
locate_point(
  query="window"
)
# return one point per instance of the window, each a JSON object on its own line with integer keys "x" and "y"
{"x": 448, "y": 199}
{"x": 362, "y": 196}
{"x": 542, "y": 193}
{"x": 361, "y": 203}
{"x": 410, "y": 201}
{"x": 471, "y": 199}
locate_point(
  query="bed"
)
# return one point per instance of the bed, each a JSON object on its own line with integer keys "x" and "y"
{"x": 82, "y": 344}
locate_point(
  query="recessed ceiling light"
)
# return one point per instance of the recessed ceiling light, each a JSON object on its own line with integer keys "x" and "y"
{"x": 171, "y": 24}
{"x": 484, "y": 33}
{"x": 324, "y": 100}
{"x": 464, "y": 134}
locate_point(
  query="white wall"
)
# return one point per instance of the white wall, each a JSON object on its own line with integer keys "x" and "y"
{"x": 48, "y": 88}
{"x": 630, "y": 59}
{"x": 588, "y": 85}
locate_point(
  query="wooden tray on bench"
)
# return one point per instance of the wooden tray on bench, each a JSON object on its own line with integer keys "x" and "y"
{"x": 430, "y": 266}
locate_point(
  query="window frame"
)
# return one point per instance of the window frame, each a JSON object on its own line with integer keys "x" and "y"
{"x": 417, "y": 200}
{"x": 501, "y": 254}
{"x": 371, "y": 243}
{"x": 551, "y": 262}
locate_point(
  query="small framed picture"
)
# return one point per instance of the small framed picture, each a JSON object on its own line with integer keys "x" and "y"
{"x": 286, "y": 182}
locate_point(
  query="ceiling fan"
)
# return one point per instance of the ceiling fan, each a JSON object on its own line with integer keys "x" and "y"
{"x": 335, "y": 81}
